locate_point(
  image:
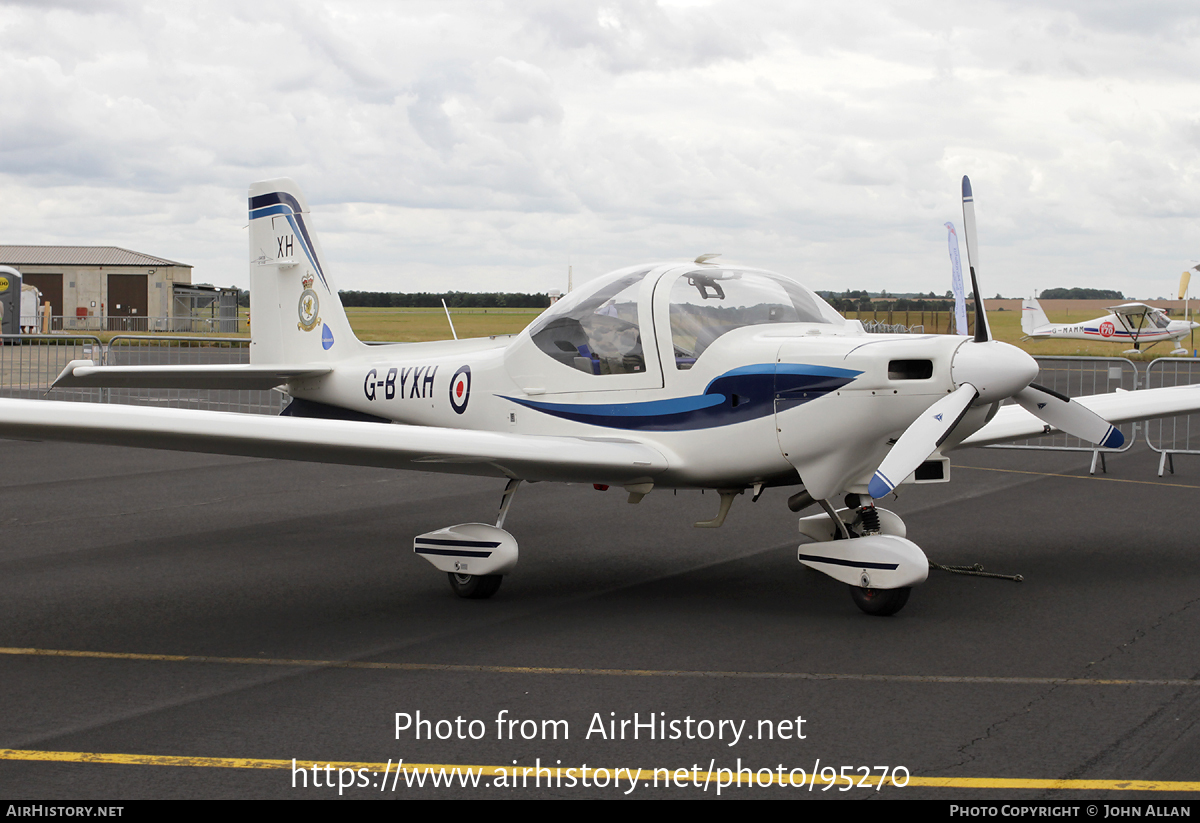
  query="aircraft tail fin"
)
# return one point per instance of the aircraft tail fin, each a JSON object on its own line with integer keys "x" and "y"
{"x": 296, "y": 315}
{"x": 1032, "y": 316}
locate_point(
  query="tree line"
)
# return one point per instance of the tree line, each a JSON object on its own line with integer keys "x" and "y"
{"x": 849, "y": 300}
{"x": 1080, "y": 294}
{"x": 861, "y": 301}
{"x": 454, "y": 299}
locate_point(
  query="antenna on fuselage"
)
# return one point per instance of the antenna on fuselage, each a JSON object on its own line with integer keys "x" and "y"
{"x": 448, "y": 320}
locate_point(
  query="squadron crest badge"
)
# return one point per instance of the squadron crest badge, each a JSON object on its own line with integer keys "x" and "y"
{"x": 309, "y": 307}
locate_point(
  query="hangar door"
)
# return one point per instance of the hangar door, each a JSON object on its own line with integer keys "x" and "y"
{"x": 128, "y": 300}
{"x": 51, "y": 287}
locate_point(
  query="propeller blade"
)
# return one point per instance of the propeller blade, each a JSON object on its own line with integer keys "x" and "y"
{"x": 921, "y": 439}
{"x": 982, "y": 332}
{"x": 1072, "y": 418}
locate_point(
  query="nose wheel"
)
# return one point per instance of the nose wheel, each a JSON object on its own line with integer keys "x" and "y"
{"x": 880, "y": 602}
{"x": 475, "y": 586}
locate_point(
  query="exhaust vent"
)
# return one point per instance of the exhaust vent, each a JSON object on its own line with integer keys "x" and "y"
{"x": 910, "y": 369}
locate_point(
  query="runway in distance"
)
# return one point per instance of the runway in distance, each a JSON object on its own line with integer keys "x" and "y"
{"x": 691, "y": 374}
{"x": 1134, "y": 323}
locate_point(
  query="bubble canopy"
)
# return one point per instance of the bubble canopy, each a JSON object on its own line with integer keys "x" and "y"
{"x": 709, "y": 302}
{"x": 599, "y": 328}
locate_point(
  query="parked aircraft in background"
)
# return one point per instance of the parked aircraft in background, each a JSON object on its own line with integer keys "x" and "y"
{"x": 678, "y": 375}
{"x": 1134, "y": 323}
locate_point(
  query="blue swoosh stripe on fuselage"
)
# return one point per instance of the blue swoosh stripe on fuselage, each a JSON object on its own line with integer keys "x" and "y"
{"x": 754, "y": 388}
{"x": 266, "y": 205}
{"x": 798, "y": 383}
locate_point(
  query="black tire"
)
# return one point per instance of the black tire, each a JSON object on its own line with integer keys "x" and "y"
{"x": 880, "y": 602}
{"x": 475, "y": 586}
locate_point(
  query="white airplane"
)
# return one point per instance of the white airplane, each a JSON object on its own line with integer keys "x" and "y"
{"x": 683, "y": 375}
{"x": 1134, "y": 323}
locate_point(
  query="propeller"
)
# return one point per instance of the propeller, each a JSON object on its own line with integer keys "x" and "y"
{"x": 1051, "y": 407}
{"x": 912, "y": 449}
{"x": 983, "y": 332}
{"x": 985, "y": 371}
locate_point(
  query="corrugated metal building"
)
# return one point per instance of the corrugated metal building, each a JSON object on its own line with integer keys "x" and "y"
{"x": 100, "y": 281}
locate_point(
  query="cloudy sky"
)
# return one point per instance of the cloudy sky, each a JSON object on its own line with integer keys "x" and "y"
{"x": 488, "y": 145}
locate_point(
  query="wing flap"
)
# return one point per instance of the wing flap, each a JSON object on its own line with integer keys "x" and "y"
{"x": 1014, "y": 423}
{"x": 455, "y": 451}
{"x": 237, "y": 376}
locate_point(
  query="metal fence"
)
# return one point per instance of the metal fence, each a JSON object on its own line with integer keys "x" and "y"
{"x": 30, "y": 363}
{"x": 1170, "y": 436}
{"x": 128, "y": 350}
{"x": 879, "y": 327}
{"x": 170, "y": 325}
{"x": 1076, "y": 377}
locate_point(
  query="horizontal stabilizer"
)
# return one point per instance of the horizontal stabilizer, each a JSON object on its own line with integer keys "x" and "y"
{"x": 423, "y": 448}
{"x": 86, "y": 374}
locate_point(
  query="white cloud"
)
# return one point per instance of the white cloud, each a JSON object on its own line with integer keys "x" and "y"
{"x": 481, "y": 145}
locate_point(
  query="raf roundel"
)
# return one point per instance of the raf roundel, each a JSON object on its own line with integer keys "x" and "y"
{"x": 460, "y": 389}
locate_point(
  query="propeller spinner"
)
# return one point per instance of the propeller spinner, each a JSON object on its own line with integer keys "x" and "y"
{"x": 985, "y": 371}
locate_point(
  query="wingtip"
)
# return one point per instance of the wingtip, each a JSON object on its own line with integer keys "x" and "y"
{"x": 966, "y": 186}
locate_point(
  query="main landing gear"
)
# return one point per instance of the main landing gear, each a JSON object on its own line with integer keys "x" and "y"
{"x": 474, "y": 556}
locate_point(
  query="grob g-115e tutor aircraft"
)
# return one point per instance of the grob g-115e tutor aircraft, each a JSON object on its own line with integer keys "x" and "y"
{"x": 684, "y": 375}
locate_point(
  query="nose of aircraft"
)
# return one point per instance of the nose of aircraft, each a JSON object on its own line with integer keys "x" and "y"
{"x": 996, "y": 370}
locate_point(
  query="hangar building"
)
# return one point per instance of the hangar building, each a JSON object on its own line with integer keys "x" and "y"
{"x": 123, "y": 288}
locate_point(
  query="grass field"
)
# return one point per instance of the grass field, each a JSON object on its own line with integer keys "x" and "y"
{"x": 415, "y": 325}
{"x": 1006, "y": 326}
{"x": 411, "y": 325}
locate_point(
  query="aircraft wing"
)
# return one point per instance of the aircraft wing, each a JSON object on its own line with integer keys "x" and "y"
{"x": 1132, "y": 309}
{"x": 1014, "y": 423}
{"x": 86, "y": 374}
{"x": 493, "y": 454}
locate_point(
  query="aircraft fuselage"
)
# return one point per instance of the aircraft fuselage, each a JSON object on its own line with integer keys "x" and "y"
{"x": 760, "y": 402}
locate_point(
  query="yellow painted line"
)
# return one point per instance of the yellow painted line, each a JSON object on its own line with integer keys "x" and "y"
{"x": 1079, "y": 477}
{"x": 525, "y": 772}
{"x": 549, "y": 670}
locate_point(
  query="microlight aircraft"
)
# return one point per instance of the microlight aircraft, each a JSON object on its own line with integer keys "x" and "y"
{"x": 678, "y": 375}
{"x": 1134, "y": 323}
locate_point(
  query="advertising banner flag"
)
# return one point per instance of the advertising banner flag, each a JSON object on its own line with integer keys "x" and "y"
{"x": 956, "y": 281}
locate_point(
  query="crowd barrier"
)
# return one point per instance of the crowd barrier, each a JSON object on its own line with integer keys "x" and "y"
{"x": 29, "y": 364}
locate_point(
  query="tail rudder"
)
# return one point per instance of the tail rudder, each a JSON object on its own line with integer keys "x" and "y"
{"x": 1032, "y": 316}
{"x": 295, "y": 313}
